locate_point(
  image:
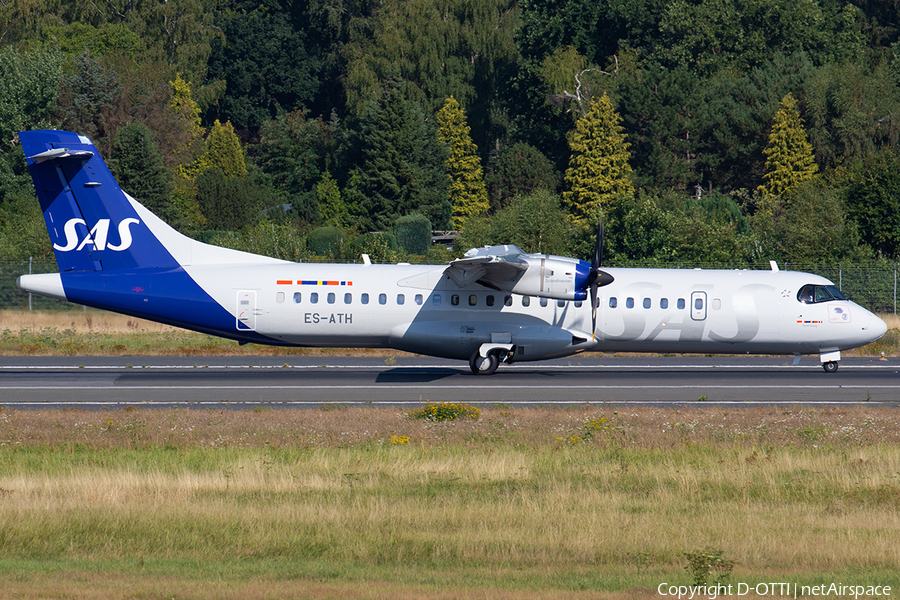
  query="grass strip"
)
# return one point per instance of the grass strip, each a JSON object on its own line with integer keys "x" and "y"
{"x": 371, "y": 503}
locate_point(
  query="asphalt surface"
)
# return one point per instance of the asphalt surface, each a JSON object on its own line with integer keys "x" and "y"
{"x": 246, "y": 383}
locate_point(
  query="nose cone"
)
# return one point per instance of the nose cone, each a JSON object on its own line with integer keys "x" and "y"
{"x": 876, "y": 328}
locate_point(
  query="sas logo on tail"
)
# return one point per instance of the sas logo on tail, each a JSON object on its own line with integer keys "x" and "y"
{"x": 97, "y": 237}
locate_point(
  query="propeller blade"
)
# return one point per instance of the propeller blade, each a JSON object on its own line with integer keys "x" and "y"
{"x": 596, "y": 274}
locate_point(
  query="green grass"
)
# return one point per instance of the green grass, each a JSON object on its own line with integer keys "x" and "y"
{"x": 565, "y": 503}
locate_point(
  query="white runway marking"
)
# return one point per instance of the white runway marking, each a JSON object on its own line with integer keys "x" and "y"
{"x": 535, "y": 365}
{"x": 311, "y": 403}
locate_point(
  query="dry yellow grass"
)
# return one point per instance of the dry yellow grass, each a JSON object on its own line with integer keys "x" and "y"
{"x": 85, "y": 321}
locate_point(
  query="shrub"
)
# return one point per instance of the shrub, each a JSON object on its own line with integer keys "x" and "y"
{"x": 445, "y": 411}
{"x": 326, "y": 241}
{"x": 706, "y": 561}
{"x": 381, "y": 247}
{"x": 413, "y": 233}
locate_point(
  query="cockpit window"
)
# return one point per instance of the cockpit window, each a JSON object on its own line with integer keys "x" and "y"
{"x": 813, "y": 294}
{"x": 836, "y": 293}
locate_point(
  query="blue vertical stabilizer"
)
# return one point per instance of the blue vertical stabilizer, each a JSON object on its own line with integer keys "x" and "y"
{"x": 93, "y": 225}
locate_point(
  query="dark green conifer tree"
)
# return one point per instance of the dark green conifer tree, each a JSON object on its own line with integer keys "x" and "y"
{"x": 403, "y": 166}
{"x": 139, "y": 168}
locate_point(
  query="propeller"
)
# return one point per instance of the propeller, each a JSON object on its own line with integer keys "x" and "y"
{"x": 596, "y": 277}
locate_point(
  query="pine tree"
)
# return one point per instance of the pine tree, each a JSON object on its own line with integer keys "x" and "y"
{"x": 332, "y": 208}
{"x": 598, "y": 172}
{"x": 140, "y": 170}
{"x": 225, "y": 150}
{"x": 403, "y": 168}
{"x": 468, "y": 194}
{"x": 789, "y": 155}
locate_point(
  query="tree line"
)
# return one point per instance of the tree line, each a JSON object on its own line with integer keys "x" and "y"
{"x": 734, "y": 131}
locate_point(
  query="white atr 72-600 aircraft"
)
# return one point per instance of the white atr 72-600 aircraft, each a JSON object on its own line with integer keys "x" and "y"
{"x": 497, "y": 304}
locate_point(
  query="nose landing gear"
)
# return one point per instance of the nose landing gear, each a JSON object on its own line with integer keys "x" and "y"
{"x": 830, "y": 360}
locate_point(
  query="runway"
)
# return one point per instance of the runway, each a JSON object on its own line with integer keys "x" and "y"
{"x": 246, "y": 383}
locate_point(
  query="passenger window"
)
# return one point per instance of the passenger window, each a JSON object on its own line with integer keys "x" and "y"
{"x": 382, "y": 298}
{"x": 526, "y": 300}
{"x": 297, "y": 297}
{"x": 613, "y": 302}
{"x": 401, "y": 299}
{"x": 680, "y": 304}
{"x": 419, "y": 299}
{"x": 716, "y": 303}
{"x": 473, "y": 299}
{"x": 544, "y": 302}
{"x": 454, "y": 299}
{"x": 507, "y": 301}
{"x": 578, "y": 304}
{"x": 436, "y": 299}
{"x": 330, "y": 297}
{"x": 664, "y": 303}
{"x": 561, "y": 303}
{"x": 279, "y": 297}
{"x": 646, "y": 302}
{"x": 364, "y": 298}
{"x": 314, "y": 297}
{"x": 489, "y": 300}
{"x": 348, "y": 298}
{"x": 629, "y": 303}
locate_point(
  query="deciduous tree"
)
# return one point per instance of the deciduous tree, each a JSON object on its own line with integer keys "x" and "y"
{"x": 520, "y": 169}
{"x": 265, "y": 63}
{"x": 872, "y": 195}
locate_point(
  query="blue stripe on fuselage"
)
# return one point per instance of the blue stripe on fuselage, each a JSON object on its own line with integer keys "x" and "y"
{"x": 167, "y": 295}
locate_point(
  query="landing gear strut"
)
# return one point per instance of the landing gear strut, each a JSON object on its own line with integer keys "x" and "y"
{"x": 830, "y": 366}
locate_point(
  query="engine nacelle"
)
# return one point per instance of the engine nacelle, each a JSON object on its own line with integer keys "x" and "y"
{"x": 555, "y": 277}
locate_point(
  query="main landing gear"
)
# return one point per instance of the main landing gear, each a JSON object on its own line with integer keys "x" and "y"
{"x": 484, "y": 365}
{"x": 486, "y": 359}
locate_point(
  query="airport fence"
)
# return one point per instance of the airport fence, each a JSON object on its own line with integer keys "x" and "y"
{"x": 873, "y": 285}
